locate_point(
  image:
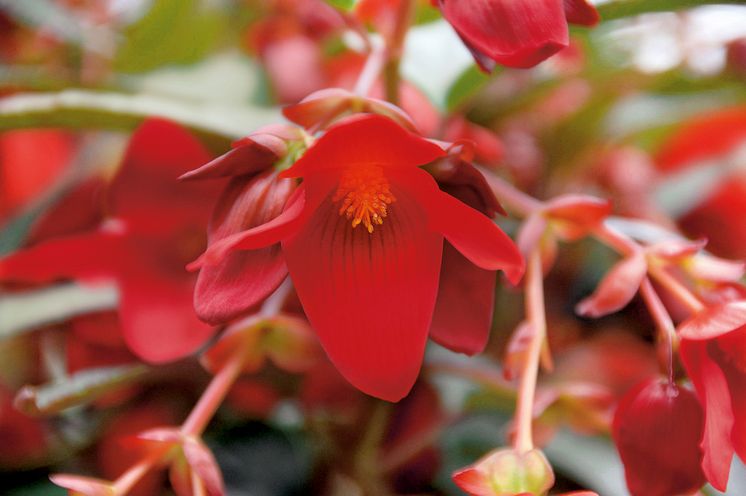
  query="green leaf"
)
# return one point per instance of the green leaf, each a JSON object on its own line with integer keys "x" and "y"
{"x": 626, "y": 8}
{"x": 82, "y": 109}
{"x": 346, "y": 5}
{"x": 466, "y": 86}
{"x": 80, "y": 388}
{"x": 172, "y": 32}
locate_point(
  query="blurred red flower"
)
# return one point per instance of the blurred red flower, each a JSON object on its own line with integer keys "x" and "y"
{"x": 370, "y": 293}
{"x": 713, "y": 350}
{"x": 657, "y": 427}
{"x": 157, "y": 226}
{"x": 515, "y": 34}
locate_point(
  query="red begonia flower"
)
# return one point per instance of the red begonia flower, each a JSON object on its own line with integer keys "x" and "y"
{"x": 657, "y": 428}
{"x": 158, "y": 226}
{"x": 515, "y": 34}
{"x": 369, "y": 292}
{"x": 713, "y": 350}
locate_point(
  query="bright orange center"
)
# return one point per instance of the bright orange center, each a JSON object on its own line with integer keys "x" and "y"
{"x": 364, "y": 195}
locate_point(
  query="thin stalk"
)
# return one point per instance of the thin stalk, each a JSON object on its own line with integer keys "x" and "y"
{"x": 535, "y": 312}
{"x": 666, "y": 329}
{"x": 391, "y": 77}
{"x": 676, "y": 288}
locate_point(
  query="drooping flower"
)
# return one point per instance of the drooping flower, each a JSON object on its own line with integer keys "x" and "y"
{"x": 515, "y": 34}
{"x": 713, "y": 350}
{"x": 156, "y": 226}
{"x": 656, "y": 429}
{"x": 362, "y": 237}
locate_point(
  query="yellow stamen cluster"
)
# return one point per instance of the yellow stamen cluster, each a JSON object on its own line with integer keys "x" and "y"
{"x": 364, "y": 195}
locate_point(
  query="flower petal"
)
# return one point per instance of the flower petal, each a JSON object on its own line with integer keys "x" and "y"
{"x": 616, "y": 289}
{"x": 581, "y": 12}
{"x": 252, "y": 155}
{"x": 466, "y": 299}
{"x": 369, "y": 296}
{"x": 365, "y": 139}
{"x": 282, "y": 226}
{"x": 712, "y": 390}
{"x": 516, "y": 34}
{"x": 714, "y": 321}
{"x": 471, "y": 232}
{"x": 242, "y": 278}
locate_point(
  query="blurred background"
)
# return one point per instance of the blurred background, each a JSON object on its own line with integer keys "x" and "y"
{"x": 647, "y": 109}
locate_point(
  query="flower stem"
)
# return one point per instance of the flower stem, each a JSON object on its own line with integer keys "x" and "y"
{"x": 666, "y": 329}
{"x": 676, "y": 288}
{"x": 514, "y": 199}
{"x": 371, "y": 70}
{"x": 214, "y": 395}
{"x": 535, "y": 312}
{"x": 391, "y": 77}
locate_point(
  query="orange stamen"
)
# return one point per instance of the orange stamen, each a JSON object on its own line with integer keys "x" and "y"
{"x": 365, "y": 195}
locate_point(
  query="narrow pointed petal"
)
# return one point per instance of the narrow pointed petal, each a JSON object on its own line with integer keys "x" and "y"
{"x": 369, "y": 296}
{"x": 616, "y": 289}
{"x": 365, "y": 139}
{"x": 515, "y": 34}
{"x": 282, "y": 226}
{"x": 712, "y": 390}
{"x": 202, "y": 462}
{"x": 581, "y": 12}
{"x": 252, "y": 156}
{"x": 574, "y": 216}
{"x": 466, "y": 298}
{"x": 243, "y": 278}
{"x": 85, "y": 486}
{"x": 471, "y": 232}
{"x": 714, "y": 321}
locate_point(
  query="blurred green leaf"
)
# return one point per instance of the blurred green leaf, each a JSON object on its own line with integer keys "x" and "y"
{"x": 627, "y": 8}
{"x": 81, "y": 109}
{"x": 172, "y": 32}
{"x": 80, "y": 388}
{"x": 43, "y": 488}
{"x": 346, "y": 5}
{"x": 466, "y": 86}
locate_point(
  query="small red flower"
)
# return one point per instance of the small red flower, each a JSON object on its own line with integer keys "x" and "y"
{"x": 657, "y": 428}
{"x": 362, "y": 237}
{"x": 157, "y": 226}
{"x": 515, "y": 34}
{"x": 713, "y": 350}
{"x": 507, "y": 472}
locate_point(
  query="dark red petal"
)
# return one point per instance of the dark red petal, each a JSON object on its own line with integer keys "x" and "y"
{"x": 616, "y": 289}
{"x": 712, "y": 390}
{"x": 581, "y": 12}
{"x": 516, "y": 34}
{"x": 245, "y": 277}
{"x": 714, "y": 321}
{"x": 369, "y": 296}
{"x": 282, "y": 226}
{"x": 471, "y": 232}
{"x": 463, "y": 312}
{"x": 251, "y": 156}
{"x": 365, "y": 139}
{"x": 733, "y": 362}
{"x": 657, "y": 428}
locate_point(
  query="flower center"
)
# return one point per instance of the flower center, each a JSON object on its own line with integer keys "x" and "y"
{"x": 364, "y": 196}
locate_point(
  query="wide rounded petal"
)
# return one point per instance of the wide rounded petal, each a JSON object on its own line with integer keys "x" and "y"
{"x": 369, "y": 296}
{"x": 515, "y": 34}
{"x": 712, "y": 390}
{"x": 251, "y": 156}
{"x": 581, "y": 12}
{"x": 656, "y": 429}
{"x": 243, "y": 277}
{"x": 368, "y": 139}
{"x": 471, "y": 232}
{"x": 714, "y": 321}
{"x": 463, "y": 312}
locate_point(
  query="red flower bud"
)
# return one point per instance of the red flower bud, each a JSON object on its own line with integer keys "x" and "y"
{"x": 657, "y": 429}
